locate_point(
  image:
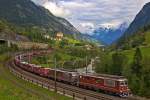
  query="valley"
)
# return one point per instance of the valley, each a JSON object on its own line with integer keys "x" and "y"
{"x": 116, "y": 55}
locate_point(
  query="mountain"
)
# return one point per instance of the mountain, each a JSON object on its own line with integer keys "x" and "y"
{"x": 142, "y": 19}
{"x": 108, "y": 35}
{"x": 138, "y": 33}
{"x": 26, "y": 13}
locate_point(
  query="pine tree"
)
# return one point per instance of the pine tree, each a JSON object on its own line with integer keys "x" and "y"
{"x": 137, "y": 62}
{"x": 119, "y": 61}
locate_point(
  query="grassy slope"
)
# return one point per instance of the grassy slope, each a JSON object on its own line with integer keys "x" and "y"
{"x": 147, "y": 37}
{"x": 64, "y": 57}
{"x": 13, "y": 88}
{"x": 51, "y": 59}
{"x": 144, "y": 49}
{"x": 130, "y": 53}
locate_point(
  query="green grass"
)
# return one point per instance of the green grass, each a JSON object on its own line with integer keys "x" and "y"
{"x": 14, "y": 88}
{"x": 144, "y": 49}
{"x": 147, "y": 37}
{"x": 3, "y": 57}
{"x": 130, "y": 53}
{"x": 48, "y": 65}
{"x": 73, "y": 41}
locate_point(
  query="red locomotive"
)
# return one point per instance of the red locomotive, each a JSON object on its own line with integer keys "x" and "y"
{"x": 108, "y": 83}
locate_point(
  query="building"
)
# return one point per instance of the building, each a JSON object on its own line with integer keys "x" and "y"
{"x": 59, "y": 36}
{"x": 46, "y": 36}
{"x": 88, "y": 47}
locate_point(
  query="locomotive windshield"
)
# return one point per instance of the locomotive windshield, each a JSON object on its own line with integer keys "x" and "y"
{"x": 123, "y": 83}
{"x": 126, "y": 83}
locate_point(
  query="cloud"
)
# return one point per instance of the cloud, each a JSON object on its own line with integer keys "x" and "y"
{"x": 86, "y": 15}
{"x": 40, "y": 2}
{"x": 77, "y": 4}
{"x": 113, "y": 24}
{"x": 86, "y": 27}
{"x": 53, "y": 7}
{"x": 56, "y": 9}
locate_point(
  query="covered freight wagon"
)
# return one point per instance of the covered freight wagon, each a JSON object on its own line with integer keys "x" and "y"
{"x": 64, "y": 76}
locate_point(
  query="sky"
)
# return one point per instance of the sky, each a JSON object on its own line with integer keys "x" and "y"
{"x": 88, "y": 15}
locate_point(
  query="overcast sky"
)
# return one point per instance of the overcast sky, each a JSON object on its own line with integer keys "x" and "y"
{"x": 86, "y": 15}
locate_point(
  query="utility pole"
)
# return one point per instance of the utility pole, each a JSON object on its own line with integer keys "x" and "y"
{"x": 9, "y": 43}
{"x": 77, "y": 65}
{"x": 20, "y": 57}
{"x": 86, "y": 65}
{"x": 55, "y": 76}
{"x": 47, "y": 63}
{"x": 29, "y": 57}
{"x": 63, "y": 64}
{"x": 74, "y": 65}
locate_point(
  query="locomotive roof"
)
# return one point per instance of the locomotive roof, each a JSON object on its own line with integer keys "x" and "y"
{"x": 68, "y": 70}
{"x": 104, "y": 76}
{"x": 64, "y": 70}
{"x": 33, "y": 65}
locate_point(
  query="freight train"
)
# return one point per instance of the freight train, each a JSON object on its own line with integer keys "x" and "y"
{"x": 111, "y": 84}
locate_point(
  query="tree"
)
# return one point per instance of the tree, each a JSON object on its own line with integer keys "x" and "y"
{"x": 103, "y": 63}
{"x": 137, "y": 40}
{"x": 137, "y": 62}
{"x": 134, "y": 83}
{"x": 57, "y": 56}
{"x": 146, "y": 75}
{"x": 63, "y": 43}
{"x": 119, "y": 60}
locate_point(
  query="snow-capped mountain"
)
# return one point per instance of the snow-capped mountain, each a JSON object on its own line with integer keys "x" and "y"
{"x": 108, "y": 34}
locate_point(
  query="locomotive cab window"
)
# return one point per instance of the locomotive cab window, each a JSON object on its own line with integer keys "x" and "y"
{"x": 126, "y": 83}
{"x": 123, "y": 83}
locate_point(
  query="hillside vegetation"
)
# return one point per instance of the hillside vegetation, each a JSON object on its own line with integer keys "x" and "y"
{"x": 68, "y": 56}
{"x": 27, "y": 14}
{"x": 23, "y": 20}
{"x": 142, "y": 19}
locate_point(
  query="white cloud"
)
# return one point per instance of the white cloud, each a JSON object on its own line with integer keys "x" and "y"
{"x": 87, "y": 24}
{"x": 53, "y": 7}
{"x": 40, "y": 2}
{"x": 77, "y": 4}
{"x": 113, "y": 24}
{"x": 86, "y": 15}
{"x": 86, "y": 27}
{"x": 56, "y": 9}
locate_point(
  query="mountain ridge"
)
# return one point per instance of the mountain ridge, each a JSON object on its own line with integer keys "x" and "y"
{"x": 138, "y": 31}
{"x": 142, "y": 19}
{"x": 109, "y": 35}
{"x": 26, "y": 13}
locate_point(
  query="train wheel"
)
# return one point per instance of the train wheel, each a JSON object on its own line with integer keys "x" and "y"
{"x": 121, "y": 95}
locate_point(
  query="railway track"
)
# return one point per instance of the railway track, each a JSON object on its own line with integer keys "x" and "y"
{"x": 65, "y": 89}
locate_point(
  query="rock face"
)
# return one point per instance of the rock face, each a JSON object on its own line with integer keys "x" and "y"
{"x": 26, "y": 13}
{"x": 142, "y": 19}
